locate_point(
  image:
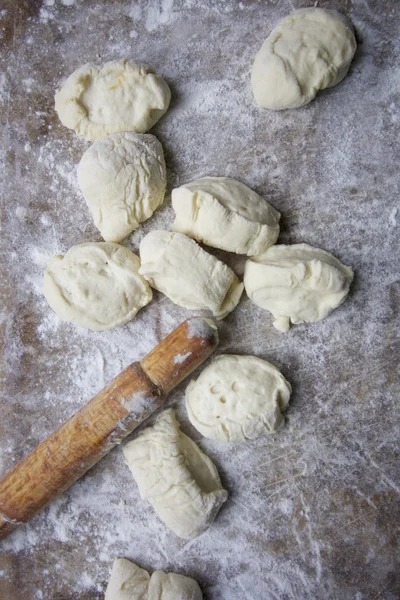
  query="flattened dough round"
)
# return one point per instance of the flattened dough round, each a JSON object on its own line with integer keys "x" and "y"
{"x": 117, "y": 96}
{"x": 309, "y": 50}
{"x": 224, "y": 213}
{"x": 175, "y": 476}
{"x": 123, "y": 179}
{"x": 191, "y": 277}
{"x": 297, "y": 283}
{"x": 96, "y": 285}
{"x": 130, "y": 582}
{"x": 237, "y": 398}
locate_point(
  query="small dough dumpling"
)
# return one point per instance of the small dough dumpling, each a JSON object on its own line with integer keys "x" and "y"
{"x": 130, "y": 582}
{"x": 309, "y": 50}
{"x": 123, "y": 179}
{"x": 127, "y": 581}
{"x": 237, "y": 398}
{"x": 224, "y": 213}
{"x": 191, "y": 277}
{"x": 117, "y": 96}
{"x": 297, "y": 283}
{"x": 96, "y": 285}
{"x": 175, "y": 476}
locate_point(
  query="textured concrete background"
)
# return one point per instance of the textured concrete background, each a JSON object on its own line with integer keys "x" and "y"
{"x": 313, "y": 511}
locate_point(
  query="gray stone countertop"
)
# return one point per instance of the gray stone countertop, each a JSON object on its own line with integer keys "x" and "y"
{"x": 313, "y": 511}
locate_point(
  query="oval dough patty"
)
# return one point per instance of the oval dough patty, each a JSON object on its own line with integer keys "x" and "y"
{"x": 123, "y": 179}
{"x": 96, "y": 285}
{"x": 130, "y": 582}
{"x": 226, "y": 214}
{"x": 175, "y": 476}
{"x": 237, "y": 398}
{"x": 310, "y": 50}
{"x": 298, "y": 283}
{"x": 117, "y": 96}
{"x": 175, "y": 265}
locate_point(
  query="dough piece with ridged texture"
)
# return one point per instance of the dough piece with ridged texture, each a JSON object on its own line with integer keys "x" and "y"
{"x": 96, "y": 285}
{"x": 191, "y": 277}
{"x": 118, "y": 96}
{"x": 130, "y": 582}
{"x": 237, "y": 398}
{"x": 309, "y": 50}
{"x": 297, "y": 283}
{"x": 175, "y": 476}
{"x": 224, "y": 213}
{"x": 123, "y": 179}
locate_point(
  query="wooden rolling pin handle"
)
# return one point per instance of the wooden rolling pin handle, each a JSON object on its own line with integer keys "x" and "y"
{"x": 103, "y": 422}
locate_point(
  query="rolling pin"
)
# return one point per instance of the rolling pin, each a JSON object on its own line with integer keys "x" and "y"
{"x": 103, "y": 422}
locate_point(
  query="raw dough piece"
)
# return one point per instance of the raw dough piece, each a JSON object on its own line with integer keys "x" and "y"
{"x": 123, "y": 179}
{"x": 297, "y": 283}
{"x": 308, "y": 51}
{"x": 175, "y": 265}
{"x": 117, "y": 96}
{"x": 226, "y": 214}
{"x": 237, "y": 398}
{"x": 96, "y": 285}
{"x": 130, "y": 582}
{"x": 173, "y": 474}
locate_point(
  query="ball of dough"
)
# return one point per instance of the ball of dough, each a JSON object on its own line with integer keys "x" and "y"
{"x": 237, "y": 398}
{"x": 123, "y": 179}
{"x": 298, "y": 283}
{"x": 127, "y": 581}
{"x": 117, "y": 96}
{"x": 175, "y": 476}
{"x": 130, "y": 582}
{"x": 226, "y": 214}
{"x": 175, "y": 265}
{"x": 310, "y": 50}
{"x": 96, "y": 285}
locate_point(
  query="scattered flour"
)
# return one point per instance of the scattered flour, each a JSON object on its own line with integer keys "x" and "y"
{"x": 159, "y": 15}
{"x": 4, "y": 88}
{"x": 45, "y": 15}
{"x": 180, "y": 358}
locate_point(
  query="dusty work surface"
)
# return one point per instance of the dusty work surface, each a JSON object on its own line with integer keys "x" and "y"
{"x": 313, "y": 510}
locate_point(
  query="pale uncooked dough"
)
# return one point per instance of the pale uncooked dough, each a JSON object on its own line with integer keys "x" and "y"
{"x": 130, "y": 582}
{"x": 237, "y": 398}
{"x": 96, "y": 285}
{"x": 117, "y": 96}
{"x": 123, "y": 179}
{"x": 191, "y": 277}
{"x": 226, "y": 214}
{"x": 175, "y": 476}
{"x": 310, "y": 50}
{"x": 298, "y": 283}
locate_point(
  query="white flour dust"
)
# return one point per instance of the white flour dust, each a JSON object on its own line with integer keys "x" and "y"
{"x": 180, "y": 358}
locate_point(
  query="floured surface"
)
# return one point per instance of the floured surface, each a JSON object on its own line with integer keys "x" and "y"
{"x": 312, "y": 510}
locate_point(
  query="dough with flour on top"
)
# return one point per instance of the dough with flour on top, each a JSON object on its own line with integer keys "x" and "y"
{"x": 130, "y": 582}
{"x": 96, "y": 285}
{"x": 191, "y": 277}
{"x": 309, "y": 50}
{"x": 237, "y": 398}
{"x": 117, "y": 96}
{"x": 175, "y": 476}
{"x": 297, "y": 283}
{"x": 123, "y": 179}
{"x": 224, "y": 213}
